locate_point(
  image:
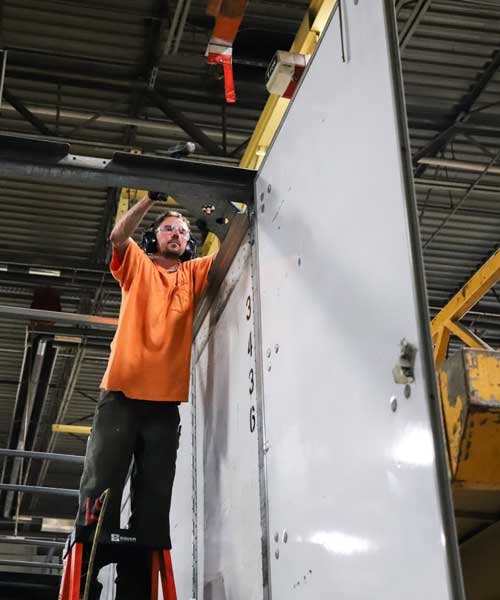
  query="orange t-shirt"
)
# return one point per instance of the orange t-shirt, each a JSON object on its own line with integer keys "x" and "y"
{"x": 151, "y": 351}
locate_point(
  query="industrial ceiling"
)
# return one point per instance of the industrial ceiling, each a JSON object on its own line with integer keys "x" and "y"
{"x": 107, "y": 78}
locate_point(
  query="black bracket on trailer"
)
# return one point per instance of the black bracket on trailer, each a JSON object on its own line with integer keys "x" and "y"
{"x": 211, "y": 192}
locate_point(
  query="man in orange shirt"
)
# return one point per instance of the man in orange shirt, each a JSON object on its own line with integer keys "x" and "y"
{"x": 147, "y": 377}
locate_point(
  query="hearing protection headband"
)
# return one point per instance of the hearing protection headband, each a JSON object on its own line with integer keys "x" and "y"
{"x": 149, "y": 244}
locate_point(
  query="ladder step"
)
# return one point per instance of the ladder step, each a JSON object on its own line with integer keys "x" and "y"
{"x": 161, "y": 563}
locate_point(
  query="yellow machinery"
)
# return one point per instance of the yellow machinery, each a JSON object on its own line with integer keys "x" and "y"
{"x": 469, "y": 383}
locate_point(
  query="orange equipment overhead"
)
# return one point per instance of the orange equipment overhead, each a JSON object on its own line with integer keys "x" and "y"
{"x": 228, "y": 16}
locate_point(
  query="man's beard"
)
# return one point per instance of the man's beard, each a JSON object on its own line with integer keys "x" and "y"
{"x": 167, "y": 253}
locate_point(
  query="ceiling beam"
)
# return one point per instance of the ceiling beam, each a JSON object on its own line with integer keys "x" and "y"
{"x": 462, "y": 200}
{"x": 160, "y": 40}
{"x": 416, "y": 16}
{"x": 179, "y": 118}
{"x": 100, "y": 248}
{"x": 460, "y": 113}
{"x": 194, "y": 184}
{"x": 37, "y": 123}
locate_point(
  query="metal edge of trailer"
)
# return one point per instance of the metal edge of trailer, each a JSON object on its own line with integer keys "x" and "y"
{"x": 238, "y": 262}
{"x": 261, "y": 416}
{"x": 420, "y": 291}
{"x": 221, "y": 266}
{"x": 194, "y": 467}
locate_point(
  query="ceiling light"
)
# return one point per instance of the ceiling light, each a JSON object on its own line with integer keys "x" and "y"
{"x": 57, "y": 525}
{"x": 69, "y": 339}
{"x": 46, "y": 272}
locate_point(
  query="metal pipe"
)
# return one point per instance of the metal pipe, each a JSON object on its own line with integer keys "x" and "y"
{"x": 39, "y": 377}
{"x": 2, "y": 77}
{"x": 35, "y": 489}
{"x": 34, "y": 371}
{"x": 459, "y": 165}
{"x": 159, "y": 126}
{"x": 182, "y": 25}
{"x": 488, "y": 168}
{"x": 63, "y": 407}
{"x": 33, "y": 314}
{"x": 173, "y": 26}
{"x": 13, "y": 539}
{"x": 28, "y": 563}
{"x": 72, "y": 458}
{"x": 454, "y": 186}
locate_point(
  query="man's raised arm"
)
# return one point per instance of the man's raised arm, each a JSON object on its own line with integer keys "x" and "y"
{"x": 123, "y": 230}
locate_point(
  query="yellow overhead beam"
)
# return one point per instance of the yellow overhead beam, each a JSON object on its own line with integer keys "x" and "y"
{"x": 441, "y": 338}
{"x": 447, "y": 320}
{"x": 477, "y": 286}
{"x": 469, "y": 382}
{"x": 467, "y": 336}
{"x": 77, "y": 429}
{"x": 305, "y": 42}
{"x": 211, "y": 245}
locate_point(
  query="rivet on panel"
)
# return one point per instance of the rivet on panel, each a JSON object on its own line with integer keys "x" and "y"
{"x": 268, "y": 353}
{"x": 276, "y": 348}
{"x": 269, "y": 188}
{"x": 277, "y": 553}
{"x": 276, "y": 537}
{"x": 262, "y": 196}
{"x": 394, "y": 403}
{"x": 407, "y": 390}
{"x": 262, "y": 208}
{"x": 269, "y": 367}
{"x": 285, "y": 536}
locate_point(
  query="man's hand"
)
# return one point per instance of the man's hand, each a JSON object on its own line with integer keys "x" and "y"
{"x": 157, "y": 196}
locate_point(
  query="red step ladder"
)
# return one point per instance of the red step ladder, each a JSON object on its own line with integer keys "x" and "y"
{"x": 161, "y": 565}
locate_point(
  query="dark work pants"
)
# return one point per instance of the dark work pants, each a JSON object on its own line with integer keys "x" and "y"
{"x": 148, "y": 432}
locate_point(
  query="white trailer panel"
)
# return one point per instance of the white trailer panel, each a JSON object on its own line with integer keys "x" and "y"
{"x": 229, "y": 536}
{"x": 354, "y": 498}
